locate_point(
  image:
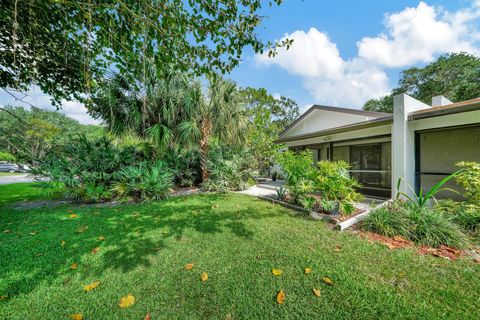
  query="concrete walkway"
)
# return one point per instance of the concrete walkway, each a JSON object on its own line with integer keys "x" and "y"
{"x": 15, "y": 178}
{"x": 266, "y": 188}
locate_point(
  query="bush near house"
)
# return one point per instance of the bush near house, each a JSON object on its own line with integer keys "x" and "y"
{"x": 5, "y": 156}
{"x": 448, "y": 222}
{"x": 326, "y": 187}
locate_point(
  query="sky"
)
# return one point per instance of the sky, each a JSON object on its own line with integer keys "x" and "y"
{"x": 344, "y": 52}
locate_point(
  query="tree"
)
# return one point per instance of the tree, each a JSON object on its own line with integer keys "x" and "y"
{"x": 66, "y": 47}
{"x": 268, "y": 117}
{"x": 5, "y": 156}
{"x": 455, "y": 76}
{"x": 174, "y": 111}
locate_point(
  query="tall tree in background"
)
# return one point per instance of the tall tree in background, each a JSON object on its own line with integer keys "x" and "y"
{"x": 66, "y": 47}
{"x": 174, "y": 111}
{"x": 455, "y": 76}
{"x": 268, "y": 117}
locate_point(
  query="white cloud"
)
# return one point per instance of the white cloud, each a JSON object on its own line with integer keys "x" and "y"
{"x": 411, "y": 36}
{"x": 326, "y": 75}
{"x": 420, "y": 34}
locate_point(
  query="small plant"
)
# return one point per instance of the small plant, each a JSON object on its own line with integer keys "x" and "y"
{"x": 422, "y": 199}
{"x": 281, "y": 194}
{"x": 469, "y": 178}
{"x": 308, "y": 202}
{"x": 274, "y": 175}
{"x": 388, "y": 220}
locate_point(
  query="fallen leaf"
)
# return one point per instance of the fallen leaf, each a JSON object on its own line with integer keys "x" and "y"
{"x": 127, "y": 301}
{"x": 337, "y": 249}
{"x": 328, "y": 281}
{"x": 62, "y": 243}
{"x": 147, "y": 317}
{"x": 307, "y": 270}
{"x": 477, "y": 260}
{"x": 73, "y": 216}
{"x": 3, "y": 298}
{"x": 390, "y": 246}
{"x": 189, "y": 266}
{"x": 33, "y": 233}
{"x": 76, "y": 316}
{"x": 96, "y": 213}
{"x": 281, "y": 297}
{"x": 95, "y": 250}
{"x": 316, "y": 292}
{"x": 101, "y": 238}
{"x": 74, "y": 266}
{"x": 69, "y": 211}
{"x": 204, "y": 276}
{"x": 82, "y": 229}
{"x": 91, "y": 286}
{"x": 7, "y": 231}
{"x": 276, "y": 272}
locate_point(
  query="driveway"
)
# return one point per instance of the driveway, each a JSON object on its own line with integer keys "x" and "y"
{"x": 15, "y": 178}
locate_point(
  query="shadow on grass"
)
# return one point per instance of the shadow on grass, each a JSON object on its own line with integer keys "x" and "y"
{"x": 133, "y": 233}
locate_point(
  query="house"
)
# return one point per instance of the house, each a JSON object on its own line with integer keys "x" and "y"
{"x": 419, "y": 143}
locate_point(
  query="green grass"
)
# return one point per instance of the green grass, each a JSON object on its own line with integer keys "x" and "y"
{"x": 236, "y": 239}
{"x": 9, "y": 174}
{"x": 16, "y": 192}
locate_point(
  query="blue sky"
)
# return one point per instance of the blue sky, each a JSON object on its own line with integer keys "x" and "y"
{"x": 344, "y": 52}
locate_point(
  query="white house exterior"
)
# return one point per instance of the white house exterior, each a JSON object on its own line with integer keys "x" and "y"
{"x": 419, "y": 143}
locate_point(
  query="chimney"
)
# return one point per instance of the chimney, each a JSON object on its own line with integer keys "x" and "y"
{"x": 439, "y": 101}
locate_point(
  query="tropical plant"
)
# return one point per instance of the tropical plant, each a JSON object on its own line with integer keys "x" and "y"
{"x": 469, "y": 178}
{"x": 464, "y": 214}
{"x": 388, "y": 220}
{"x": 145, "y": 181}
{"x": 281, "y": 193}
{"x": 297, "y": 168}
{"x": 274, "y": 175}
{"x": 422, "y": 198}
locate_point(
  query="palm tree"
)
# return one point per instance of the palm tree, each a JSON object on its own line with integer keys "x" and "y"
{"x": 173, "y": 111}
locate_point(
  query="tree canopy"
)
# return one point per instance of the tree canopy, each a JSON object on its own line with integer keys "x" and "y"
{"x": 66, "y": 46}
{"x": 455, "y": 76}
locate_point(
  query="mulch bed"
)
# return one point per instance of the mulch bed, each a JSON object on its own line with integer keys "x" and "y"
{"x": 397, "y": 242}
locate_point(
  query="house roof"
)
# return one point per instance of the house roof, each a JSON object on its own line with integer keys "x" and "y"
{"x": 354, "y": 126}
{"x": 464, "y": 106}
{"x": 334, "y": 109}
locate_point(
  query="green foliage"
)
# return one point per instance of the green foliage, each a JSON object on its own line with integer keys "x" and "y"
{"x": 296, "y": 166}
{"x": 422, "y": 198}
{"x": 453, "y": 75}
{"x": 420, "y": 225}
{"x": 464, "y": 214}
{"x": 145, "y": 181}
{"x": 469, "y": 179}
{"x": 85, "y": 39}
{"x": 228, "y": 172}
{"x": 281, "y": 193}
{"x": 6, "y": 156}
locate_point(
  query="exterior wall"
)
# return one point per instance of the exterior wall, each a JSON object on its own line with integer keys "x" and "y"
{"x": 322, "y": 120}
{"x": 403, "y": 142}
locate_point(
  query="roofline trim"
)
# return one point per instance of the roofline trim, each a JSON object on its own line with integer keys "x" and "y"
{"x": 334, "y": 109}
{"x": 350, "y": 127}
{"x": 439, "y": 111}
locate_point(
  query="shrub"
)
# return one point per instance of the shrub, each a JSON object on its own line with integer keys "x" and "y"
{"x": 228, "y": 172}
{"x": 5, "y": 156}
{"x": 466, "y": 215}
{"x": 145, "y": 181}
{"x": 281, "y": 193}
{"x": 388, "y": 220}
{"x": 421, "y": 225}
{"x": 469, "y": 179}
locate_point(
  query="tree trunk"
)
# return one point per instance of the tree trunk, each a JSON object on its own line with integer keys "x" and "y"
{"x": 206, "y": 129}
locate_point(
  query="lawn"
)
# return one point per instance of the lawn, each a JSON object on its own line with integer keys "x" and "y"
{"x": 237, "y": 240}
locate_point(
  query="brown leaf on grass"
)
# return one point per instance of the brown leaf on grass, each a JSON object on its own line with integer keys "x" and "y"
{"x": 91, "y": 286}
{"x": 73, "y": 216}
{"x": 316, "y": 292}
{"x": 3, "y": 298}
{"x": 189, "y": 266}
{"x": 390, "y": 245}
{"x": 276, "y": 272}
{"x": 82, "y": 229}
{"x": 337, "y": 249}
{"x": 76, "y": 316}
{"x": 95, "y": 250}
{"x": 101, "y": 238}
{"x": 126, "y": 301}
{"x": 204, "y": 276}
{"x": 74, "y": 266}
{"x": 328, "y": 281}
{"x": 147, "y": 317}
{"x": 280, "y": 297}
{"x": 477, "y": 260}
{"x": 307, "y": 270}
